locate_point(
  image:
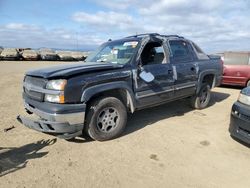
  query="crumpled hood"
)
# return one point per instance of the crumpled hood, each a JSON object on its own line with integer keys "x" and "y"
{"x": 65, "y": 71}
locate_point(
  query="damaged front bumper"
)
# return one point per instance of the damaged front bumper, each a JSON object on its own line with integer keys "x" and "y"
{"x": 62, "y": 120}
{"x": 240, "y": 122}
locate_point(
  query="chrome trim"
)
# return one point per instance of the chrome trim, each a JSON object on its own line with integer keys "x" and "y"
{"x": 197, "y": 68}
{"x": 134, "y": 76}
{"x": 130, "y": 102}
{"x": 175, "y": 75}
{"x": 71, "y": 118}
{"x": 31, "y": 87}
{"x": 184, "y": 87}
{"x": 156, "y": 93}
{"x": 165, "y": 91}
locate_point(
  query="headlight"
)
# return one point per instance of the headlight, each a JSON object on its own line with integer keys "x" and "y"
{"x": 56, "y": 85}
{"x": 54, "y": 98}
{"x": 245, "y": 99}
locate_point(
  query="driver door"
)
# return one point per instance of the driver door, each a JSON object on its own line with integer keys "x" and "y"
{"x": 154, "y": 60}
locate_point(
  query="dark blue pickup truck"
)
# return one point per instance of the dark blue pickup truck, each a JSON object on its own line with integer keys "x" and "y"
{"x": 121, "y": 76}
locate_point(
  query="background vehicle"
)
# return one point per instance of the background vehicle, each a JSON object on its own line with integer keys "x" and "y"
{"x": 9, "y": 54}
{"x": 65, "y": 55}
{"x": 30, "y": 55}
{"x": 78, "y": 56}
{"x": 1, "y": 49}
{"x": 47, "y": 54}
{"x": 236, "y": 68}
{"x": 240, "y": 117}
{"x": 121, "y": 76}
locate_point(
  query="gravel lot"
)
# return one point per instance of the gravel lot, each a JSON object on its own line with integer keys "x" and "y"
{"x": 167, "y": 146}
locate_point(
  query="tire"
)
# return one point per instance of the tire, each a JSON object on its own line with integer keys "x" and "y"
{"x": 106, "y": 119}
{"x": 202, "y": 99}
{"x": 248, "y": 83}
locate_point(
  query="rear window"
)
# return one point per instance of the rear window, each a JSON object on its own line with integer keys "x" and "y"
{"x": 197, "y": 48}
{"x": 236, "y": 58}
{"x": 200, "y": 54}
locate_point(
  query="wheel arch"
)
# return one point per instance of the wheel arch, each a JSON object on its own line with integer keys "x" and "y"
{"x": 119, "y": 89}
{"x": 209, "y": 77}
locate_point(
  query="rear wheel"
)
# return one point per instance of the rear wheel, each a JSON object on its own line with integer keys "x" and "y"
{"x": 201, "y": 100}
{"x": 106, "y": 119}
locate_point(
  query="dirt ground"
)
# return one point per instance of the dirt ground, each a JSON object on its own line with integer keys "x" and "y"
{"x": 166, "y": 146}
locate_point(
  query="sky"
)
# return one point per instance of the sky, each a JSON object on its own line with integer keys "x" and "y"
{"x": 215, "y": 25}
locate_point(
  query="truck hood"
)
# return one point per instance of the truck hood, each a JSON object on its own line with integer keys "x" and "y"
{"x": 69, "y": 70}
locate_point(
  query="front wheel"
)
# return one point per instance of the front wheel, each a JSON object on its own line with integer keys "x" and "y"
{"x": 201, "y": 100}
{"x": 106, "y": 119}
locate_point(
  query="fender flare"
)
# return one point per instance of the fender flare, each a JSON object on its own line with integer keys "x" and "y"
{"x": 91, "y": 91}
{"x": 202, "y": 75}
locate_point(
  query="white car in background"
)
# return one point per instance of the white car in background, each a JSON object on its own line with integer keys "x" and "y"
{"x": 10, "y": 54}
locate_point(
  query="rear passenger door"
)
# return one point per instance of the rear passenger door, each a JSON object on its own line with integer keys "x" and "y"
{"x": 185, "y": 67}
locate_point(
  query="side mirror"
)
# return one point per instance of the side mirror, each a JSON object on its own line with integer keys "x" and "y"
{"x": 147, "y": 76}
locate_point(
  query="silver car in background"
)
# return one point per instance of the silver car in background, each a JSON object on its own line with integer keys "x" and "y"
{"x": 10, "y": 54}
{"x": 65, "y": 55}
{"x": 48, "y": 54}
{"x": 31, "y": 55}
{"x": 79, "y": 56}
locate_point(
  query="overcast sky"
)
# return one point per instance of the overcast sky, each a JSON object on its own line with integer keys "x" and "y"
{"x": 216, "y": 25}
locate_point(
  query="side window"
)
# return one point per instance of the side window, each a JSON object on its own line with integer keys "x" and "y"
{"x": 180, "y": 51}
{"x": 153, "y": 53}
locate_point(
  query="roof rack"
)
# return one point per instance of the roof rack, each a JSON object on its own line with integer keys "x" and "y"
{"x": 153, "y": 34}
{"x": 143, "y": 34}
{"x": 177, "y": 36}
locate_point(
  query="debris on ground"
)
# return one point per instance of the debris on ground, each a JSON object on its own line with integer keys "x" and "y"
{"x": 9, "y": 128}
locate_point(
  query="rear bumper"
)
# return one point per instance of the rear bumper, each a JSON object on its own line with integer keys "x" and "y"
{"x": 9, "y": 58}
{"x": 49, "y": 57}
{"x": 30, "y": 58}
{"x": 240, "y": 122}
{"x": 62, "y": 120}
{"x": 66, "y": 58}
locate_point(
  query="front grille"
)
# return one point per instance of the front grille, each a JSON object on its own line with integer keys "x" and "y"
{"x": 34, "y": 95}
{"x": 245, "y": 117}
{"x": 37, "y": 82}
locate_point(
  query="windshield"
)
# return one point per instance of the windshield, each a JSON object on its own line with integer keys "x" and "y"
{"x": 117, "y": 52}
